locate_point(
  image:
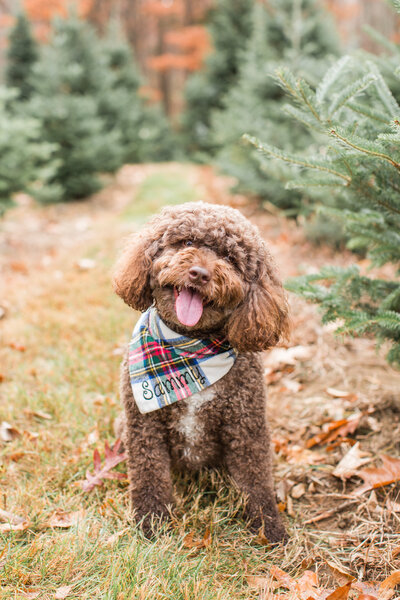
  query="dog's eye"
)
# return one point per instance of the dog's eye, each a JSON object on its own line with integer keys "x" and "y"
{"x": 228, "y": 259}
{"x": 188, "y": 243}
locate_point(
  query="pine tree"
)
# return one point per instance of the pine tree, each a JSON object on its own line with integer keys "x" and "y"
{"x": 21, "y": 56}
{"x": 230, "y": 26}
{"x": 25, "y": 158}
{"x": 144, "y": 130}
{"x": 354, "y": 109}
{"x": 292, "y": 32}
{"x": 65, "y": 101}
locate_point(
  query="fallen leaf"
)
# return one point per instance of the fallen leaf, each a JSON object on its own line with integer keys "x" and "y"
{"x": 298, "y": 454}
{"x": 291, "y": 385}
{"x": 9, "y": 517}
{"x": 205, "y": 542}
{"x": 112, "y": 459}
{"x": 7, "y": 432}
{"x": 85, "y": 264}
{"x": 19, "y": 267}
{"x": 31, "y": 595}
{"x": 298, "y": 491}
{"x": 305, "y": 587}
{"x": 287, "y": 356}
{"x": 368, "y": 589}
{"x": 63, "y": 519}
{"x": 18, "y": 347}
{"x": 6, "y": 527}
{"x": 342, "y": 593}
{"x": 375, "y": 477}
{"x": 390, "y": 582}
{"x": 351, "y": 461}
{"x": 335, "y": 429}
{"x": 37, "y": 413}
{"x": 340, "y": 393}
{"x": 116, "y": 536}
{"x": 340, "y": 574}
{"x": 62, "y": 592}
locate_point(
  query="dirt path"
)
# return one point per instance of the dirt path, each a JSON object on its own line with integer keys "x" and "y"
{"x": 319, "y": 386}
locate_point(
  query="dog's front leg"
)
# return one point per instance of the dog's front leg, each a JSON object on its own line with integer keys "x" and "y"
{"x": 148, "y": 459}
{"x": 248, "y": 459}
{"x": 148, "y": 469}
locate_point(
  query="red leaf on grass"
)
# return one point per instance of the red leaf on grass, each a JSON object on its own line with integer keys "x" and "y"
{"x": 375, "y": 477}
{"x": 112, "y": 459}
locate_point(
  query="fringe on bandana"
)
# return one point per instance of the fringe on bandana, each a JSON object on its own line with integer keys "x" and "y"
{"x": 165, "y": 367}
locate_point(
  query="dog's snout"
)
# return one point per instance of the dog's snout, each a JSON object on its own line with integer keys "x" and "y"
{"x": 199, "y": 275}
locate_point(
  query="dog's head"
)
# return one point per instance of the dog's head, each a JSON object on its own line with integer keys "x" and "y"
{"x": 208, "y": 271}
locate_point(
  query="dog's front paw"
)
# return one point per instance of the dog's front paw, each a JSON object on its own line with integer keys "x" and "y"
{"x": 268, "y": 522}
{"x": 150, "y": 522}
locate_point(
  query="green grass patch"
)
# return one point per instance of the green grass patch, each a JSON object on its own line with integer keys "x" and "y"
{"x": 158, "y": 190}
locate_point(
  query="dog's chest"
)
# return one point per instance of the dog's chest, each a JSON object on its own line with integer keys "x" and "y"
{"x": 191, "y": 423}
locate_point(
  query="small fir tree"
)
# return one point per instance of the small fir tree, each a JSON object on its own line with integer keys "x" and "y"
{"x": 22, "y": 54}
{"x": 25, "y": 158}
{"x": 65, "y": 101}
{"x": 230, "y": 27}
{"x": 354, "y": 106}
{"x": 144, "y": 130}
{"x": 298, "y": 33}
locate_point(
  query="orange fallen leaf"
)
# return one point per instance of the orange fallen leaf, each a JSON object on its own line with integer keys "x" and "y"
{"x": 206, "y": 540}
{"x": 375, "y": 477}
{"x": 18, "y": 266}
{"x": 333, "y": 430}
{"x": 18, "y": 347}
{"x": 341, "y": 593}
{"x": 390, "y": 582}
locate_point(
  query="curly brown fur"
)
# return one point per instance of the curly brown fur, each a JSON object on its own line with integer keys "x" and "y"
{"x": 225, "y": 425}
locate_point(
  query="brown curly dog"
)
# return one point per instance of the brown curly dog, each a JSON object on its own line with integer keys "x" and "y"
{"x": 216, "y": 257}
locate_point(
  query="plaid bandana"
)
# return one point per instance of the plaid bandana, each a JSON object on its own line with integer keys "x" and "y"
{"x": 165, "y": 367}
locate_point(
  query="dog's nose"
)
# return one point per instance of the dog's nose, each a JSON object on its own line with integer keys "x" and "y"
{"x": 199, "y": 275}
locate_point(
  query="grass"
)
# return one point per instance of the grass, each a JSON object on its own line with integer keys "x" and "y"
{"x": 61, "y": 356}
{"x": 62, "y": 339}
{"x": 156, "y": 191}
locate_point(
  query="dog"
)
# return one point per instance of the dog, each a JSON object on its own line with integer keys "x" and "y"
{"x": 212, "y": 300}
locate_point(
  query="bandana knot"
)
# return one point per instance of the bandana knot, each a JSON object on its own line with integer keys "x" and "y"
{"x": 165, "y": 366}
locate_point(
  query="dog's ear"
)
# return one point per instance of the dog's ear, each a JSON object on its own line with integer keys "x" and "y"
{"x": 262, "y": 319}
{"x": 131, "y": 275}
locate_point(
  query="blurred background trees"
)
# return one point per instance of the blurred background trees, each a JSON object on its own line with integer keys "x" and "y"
{"x": 89, "y": 85}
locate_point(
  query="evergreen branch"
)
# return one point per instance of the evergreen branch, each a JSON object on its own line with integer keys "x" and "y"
{"x": 381, "y": 155}
{"x": 383, "y": 91}
{"x": 302, "y": 117}
{"x": 366, "y": 111}
{"x": 306, "y": 94}
{"x": 291, "y": 158}
{"x": 287, "y": 80}
{"x": 330, "y": 77}
{"x": 350, "y": 91}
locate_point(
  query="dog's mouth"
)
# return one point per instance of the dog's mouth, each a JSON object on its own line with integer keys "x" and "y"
{"x": 189, "y": 304}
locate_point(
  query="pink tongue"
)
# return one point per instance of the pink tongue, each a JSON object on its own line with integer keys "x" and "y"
{"x": 189, "y": 307}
